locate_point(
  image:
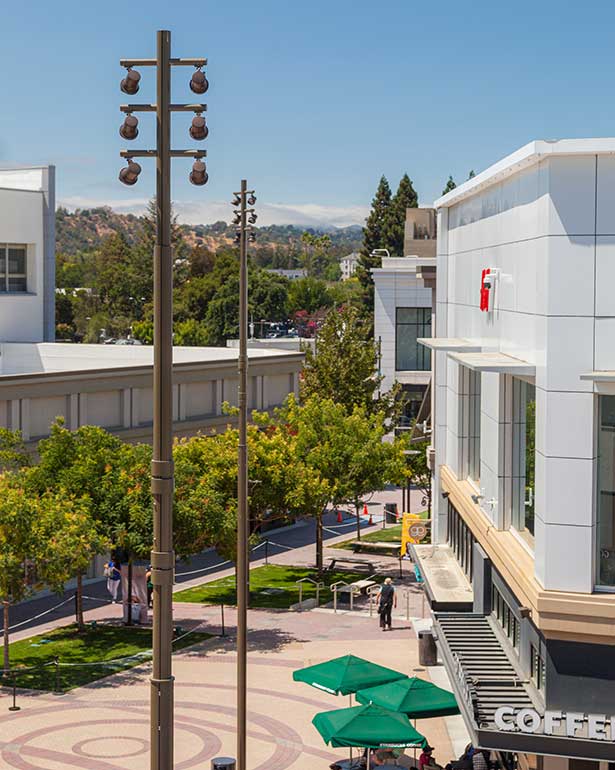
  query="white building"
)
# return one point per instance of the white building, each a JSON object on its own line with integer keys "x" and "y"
{"x": 348, "y": 265}
{"x": 402, "y": 315}
{"x": 27, "y": 254}
{"x": 105, "y": 385}
{"x": 524, "y": 432}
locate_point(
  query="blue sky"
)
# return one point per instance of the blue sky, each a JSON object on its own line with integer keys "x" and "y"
{"x": 311, "y": 101}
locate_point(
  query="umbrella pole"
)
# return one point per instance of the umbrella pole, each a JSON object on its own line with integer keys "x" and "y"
{"x": 415, "y": 744}
{"x": 368, "y": 758}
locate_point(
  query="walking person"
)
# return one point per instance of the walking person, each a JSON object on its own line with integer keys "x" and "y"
{"x": 113, "y": 573}
{"x": 385, "y": 601}
{"x": 150, "y": 585}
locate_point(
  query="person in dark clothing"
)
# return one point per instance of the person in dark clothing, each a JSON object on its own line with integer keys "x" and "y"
{"x": 385, "y": 601}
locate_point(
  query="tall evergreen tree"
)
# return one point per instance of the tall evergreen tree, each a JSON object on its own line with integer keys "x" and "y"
{"x": 471, "y": 175}
{"x": 450, "y": 185}
{"x": 375, "y": 236}
{"x": 404, "y": 198}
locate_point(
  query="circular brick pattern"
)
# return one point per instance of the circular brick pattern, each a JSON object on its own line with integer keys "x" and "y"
{"x": 117, "y": 746}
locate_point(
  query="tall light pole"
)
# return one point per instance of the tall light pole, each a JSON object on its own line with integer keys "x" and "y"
{"x": 162, "y": 556}
{"x": 244, "y": 219}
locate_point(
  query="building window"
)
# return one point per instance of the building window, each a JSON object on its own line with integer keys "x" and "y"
{"x": 537, "y": 668}
{"x": 12, "y": 268}
{"x": 469, "y": 433}
{"x": 461, "y": 540}
{"x": 523, "y": 458}
{"x": 410, "y": 324}
{"x": 505, "y": 617}
{"x": 606, "y": 493}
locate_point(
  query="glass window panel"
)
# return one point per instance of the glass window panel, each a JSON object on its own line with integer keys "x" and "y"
{"x": 17, "y": 284}
{"x": 17, "y": 260}
{"x": 412, "y": 323}
{"x": 523, "y": 458}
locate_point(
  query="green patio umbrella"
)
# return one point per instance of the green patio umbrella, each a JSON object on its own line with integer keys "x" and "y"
{"x": 415, "y": 697}
{"x": 345, "y": 675}
{"x": 367, "y": 726}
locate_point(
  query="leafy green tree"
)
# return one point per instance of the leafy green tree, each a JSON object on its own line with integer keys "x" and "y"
{"x": 450, "y": 185}
{"x": 67, "y": 540}
{"x": 13, "y": 452}
{"x": 309, "y": 294}
{"x": 344, "y": 365}
{"x": 17, "y": 518}
{"x": 376, "y": 235}
{"x": 190, "y": 332}
{"x": 315, "y": 258}
{"x": 404, "y": 198}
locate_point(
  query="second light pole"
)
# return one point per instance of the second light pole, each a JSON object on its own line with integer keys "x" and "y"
{"x": 244, "y": 219}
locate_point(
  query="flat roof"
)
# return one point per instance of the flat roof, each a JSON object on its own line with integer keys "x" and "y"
{"x": 526, "y": 156}
{"x": 62, "y": 357}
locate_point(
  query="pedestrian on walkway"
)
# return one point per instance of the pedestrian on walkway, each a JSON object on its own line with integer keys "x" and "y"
{"x": 150, "y": 585}
{"x": 113, "y": 573}
{"x": 385, "y": 601}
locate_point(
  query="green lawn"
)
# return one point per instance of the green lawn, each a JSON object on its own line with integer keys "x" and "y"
{"x": 278, "y": 579}
{"x": 96, "y": 643}
{"x": 391, "y": 534}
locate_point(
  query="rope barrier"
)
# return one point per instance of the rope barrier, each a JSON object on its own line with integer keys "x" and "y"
{"x": 203, "y": 569}
{"x": 41, "y": 614}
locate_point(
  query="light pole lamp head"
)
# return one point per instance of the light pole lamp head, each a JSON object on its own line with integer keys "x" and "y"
{"x": 129, "y": 129}
{"x": 198, "y": 129}
{"x": 199, "y": 175}
{"x": 252, "y": 200}
{"x": 130, "y": 84}
{"x": 236, "y": 200}
{"x": 237, "y": 219}
{"x": 199, "y": 83}
{"x": 130, "y": 173}
{"x": 237, "y": 238}
{"x": 252, "y": 218}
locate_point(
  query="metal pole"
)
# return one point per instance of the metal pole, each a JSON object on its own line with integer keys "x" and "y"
{"x": 222, "y": 619}
{"x": 162, "y": 557}
{"x": 242, "y": 493}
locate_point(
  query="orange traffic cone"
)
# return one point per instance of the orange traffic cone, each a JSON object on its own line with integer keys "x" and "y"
{"x": 339, "y": 517}
{"x": 365, "y": 511}
{"x": 370, "y": 522}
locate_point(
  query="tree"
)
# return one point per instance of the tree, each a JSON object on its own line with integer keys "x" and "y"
{"x": 450, "y": 185}
{"x": 17, "y": 517}
{"x": 405, "y": 198}
{"x": 315, "y": 257}
{"x": 13, "y": 452}
{"x": 376, "y": 235}
{"x": 471, "y": 175}
{"x": 419, "y": 472}
{"x": 67, "y": 540}
{"x": 309, "y": 294}
{"x": 341, "y": 456}
{"x": 344, "y": 365}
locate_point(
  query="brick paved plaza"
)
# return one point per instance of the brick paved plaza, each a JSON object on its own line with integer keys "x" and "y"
{"x": 105, "y": 726}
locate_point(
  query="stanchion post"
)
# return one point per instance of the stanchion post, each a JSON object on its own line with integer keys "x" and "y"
{"x": 14, "y": 707}
{"x": 222, "y": 619}
{"x": 56, "y": 662}
{"x": 400, "y": 569}
{"x": 266, "y": 550}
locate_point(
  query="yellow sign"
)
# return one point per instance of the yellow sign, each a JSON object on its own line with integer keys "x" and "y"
{"x": 411, "y": 531}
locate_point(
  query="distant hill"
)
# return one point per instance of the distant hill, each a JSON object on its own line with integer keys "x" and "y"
{"x": 85, "y": 229}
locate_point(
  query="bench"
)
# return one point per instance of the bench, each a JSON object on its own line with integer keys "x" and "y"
{"x": 364, "y": 563}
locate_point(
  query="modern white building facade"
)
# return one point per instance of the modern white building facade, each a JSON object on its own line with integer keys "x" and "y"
{"x": 524, "y": 439}
{"x": 402, "y": 315}
{"x": 27, "y": 253}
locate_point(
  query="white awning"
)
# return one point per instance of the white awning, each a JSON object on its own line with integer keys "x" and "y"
{"x": 604, "y": 375}
{"x": 449, "y": 344}
{"x": 494, "y": 362}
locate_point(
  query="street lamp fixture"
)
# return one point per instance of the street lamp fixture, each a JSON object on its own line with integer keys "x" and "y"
{"x": 130, "y": 84}
{"x": 198, "y": 129}
{"x": 130, "y": 173}
{"x": 199, "y": 175}
{"x": 199, "y": 83}
{"x": 162, "y": 473}
{"x": 129, "y": 128}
